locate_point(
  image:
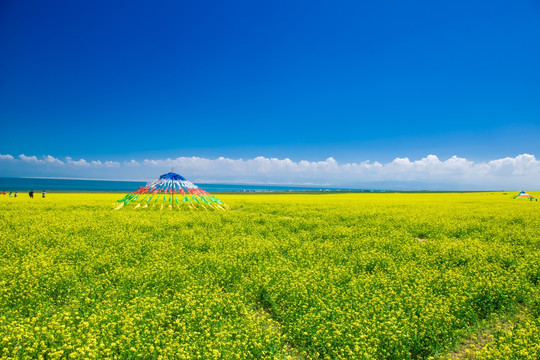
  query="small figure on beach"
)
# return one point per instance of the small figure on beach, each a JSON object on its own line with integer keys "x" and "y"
{"x": 15, "y": 194}
{"x": 31, "y": 194}
{"x": 43, "y": 194}
{"x": 10, "y": 194}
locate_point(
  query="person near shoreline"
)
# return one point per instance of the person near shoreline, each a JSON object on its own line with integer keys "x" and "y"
{"x": 31, "y": 194}
{"x": 43, "y": 194}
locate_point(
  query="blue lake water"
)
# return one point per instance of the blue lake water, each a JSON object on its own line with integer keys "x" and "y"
{"x": 70, "y": 185}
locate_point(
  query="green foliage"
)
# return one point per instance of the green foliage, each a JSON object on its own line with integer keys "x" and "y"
{"x": 329, "y": 276}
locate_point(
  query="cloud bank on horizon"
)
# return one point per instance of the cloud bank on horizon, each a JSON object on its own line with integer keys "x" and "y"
{"x": 430, "y": 173}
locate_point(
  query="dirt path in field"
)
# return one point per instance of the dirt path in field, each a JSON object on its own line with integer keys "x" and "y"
{"x": 288, "y": 351}
{"x": 479, "y": 340}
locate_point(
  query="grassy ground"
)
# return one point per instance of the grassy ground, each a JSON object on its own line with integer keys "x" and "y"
{"x": 364, "y": 276}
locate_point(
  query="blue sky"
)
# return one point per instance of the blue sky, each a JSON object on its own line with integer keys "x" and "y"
{"x": 301, "y": 80}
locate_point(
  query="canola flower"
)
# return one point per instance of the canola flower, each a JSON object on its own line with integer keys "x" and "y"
{"x": 310, "y": 276}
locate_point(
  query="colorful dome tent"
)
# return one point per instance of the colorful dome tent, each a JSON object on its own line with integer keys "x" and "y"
{"x": 523, "y": 195}
{"x": 174, "y": 191}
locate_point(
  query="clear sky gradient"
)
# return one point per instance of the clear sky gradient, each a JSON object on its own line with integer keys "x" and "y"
{"x": 305, "y": 80}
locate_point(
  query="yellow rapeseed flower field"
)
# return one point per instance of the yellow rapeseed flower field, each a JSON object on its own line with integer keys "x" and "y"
{"x": 279, "y": 276}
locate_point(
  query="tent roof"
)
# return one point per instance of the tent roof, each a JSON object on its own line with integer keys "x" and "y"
{"x": 173, "y": 190}
{"x": 172, "y": 176}
{"x": 523, "y": 194}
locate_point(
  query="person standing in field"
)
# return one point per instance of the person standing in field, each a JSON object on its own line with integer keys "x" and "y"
{"x": 15, "y": 194}
{"x": 31, "y": 194}
{"x": 43, "y": 194}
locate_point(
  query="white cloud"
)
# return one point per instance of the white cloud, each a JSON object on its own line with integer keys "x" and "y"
{"x": 30, "y": 159}
{"x": 80, "y": 162}
{"x": 52, "y": 160}
{"x": 92, "y": 164}
{"x": 520, "y": 165}
{"x": 522, "y": 171}
{"x": 48, "y": 159}
{"x": 111, "y": 164}
{"x": 132, "y": 163}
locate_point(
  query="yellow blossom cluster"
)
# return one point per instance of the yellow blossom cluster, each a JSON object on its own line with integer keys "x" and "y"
{"x": 280, "y": 276}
